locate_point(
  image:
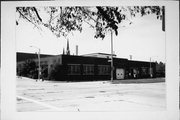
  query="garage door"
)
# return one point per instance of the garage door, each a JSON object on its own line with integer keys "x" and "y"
{"x": 119, "y": 73}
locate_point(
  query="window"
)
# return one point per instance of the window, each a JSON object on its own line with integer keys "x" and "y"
{"x": 103, "y": 69}
{"x": 74, "y": 69}
{"x": 88, "y": 69}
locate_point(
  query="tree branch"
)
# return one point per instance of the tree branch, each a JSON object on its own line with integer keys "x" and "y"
{"x": 37, "y": 14}
{"x": 89, "y": 24}
{"x": 28, "y": 19}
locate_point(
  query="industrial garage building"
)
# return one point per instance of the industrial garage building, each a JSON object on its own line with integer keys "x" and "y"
{"x": 94, "y": 66}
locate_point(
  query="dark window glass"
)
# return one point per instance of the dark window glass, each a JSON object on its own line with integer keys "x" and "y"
{"x": 88, "y": 69}
{"x": 73, "y": 69}
{"x": 103, "y": 69}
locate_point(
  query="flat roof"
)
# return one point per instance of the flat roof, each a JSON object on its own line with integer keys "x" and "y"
{"x": 98, "y": 54}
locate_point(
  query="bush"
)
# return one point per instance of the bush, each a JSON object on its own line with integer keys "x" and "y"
{"x": 57, "y": 73}
{"x": 29, "y": 69}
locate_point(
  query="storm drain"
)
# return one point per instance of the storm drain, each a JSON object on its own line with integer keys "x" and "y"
{"x": 19, "y": 99}
{"x": 102, "y": 91}
{"x": 90, "y": 97}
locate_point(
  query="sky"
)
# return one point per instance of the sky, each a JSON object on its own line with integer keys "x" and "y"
{"x": 143, "y": 39}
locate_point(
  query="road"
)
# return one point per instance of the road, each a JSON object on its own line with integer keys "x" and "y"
{"x": 125, "y": 95}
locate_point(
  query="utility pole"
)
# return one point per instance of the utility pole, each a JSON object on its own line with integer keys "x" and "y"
{"x": 151, "y": 71}
{"x": 150, "y": 68}
{"x": 163, "y": 18}
{"x": 112, "y": 67}
{"x": 39, "y": 75}
{"x": 39, "y": 61}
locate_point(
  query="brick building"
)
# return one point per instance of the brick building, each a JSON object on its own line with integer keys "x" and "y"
{"x": 94, "y": 66}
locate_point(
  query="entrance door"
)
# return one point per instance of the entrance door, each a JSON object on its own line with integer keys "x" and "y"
{"x": 119, "y": 73}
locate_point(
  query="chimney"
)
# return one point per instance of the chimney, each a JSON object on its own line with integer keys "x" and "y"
{"x": 76, "y": 49}
{"x": 68, "y": 50}
{"x": 63, "y": 52}
{"x": 130, "y": 57}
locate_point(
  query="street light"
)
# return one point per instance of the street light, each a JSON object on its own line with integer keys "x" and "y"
{"x": 150, "y": 69}
{"x": 112, "y": 68}
{"x": 39, "y": 70}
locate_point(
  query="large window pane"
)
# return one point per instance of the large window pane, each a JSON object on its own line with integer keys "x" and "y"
{"x": 74, "y": 69}
{"x": 103, "y": 69}
{"x": 88, "y": 69}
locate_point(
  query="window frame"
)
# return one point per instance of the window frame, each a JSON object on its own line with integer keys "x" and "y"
{"x": 104, "y": 70}
{"x": 75, "y": 69}
{"x": 88, "y": 69}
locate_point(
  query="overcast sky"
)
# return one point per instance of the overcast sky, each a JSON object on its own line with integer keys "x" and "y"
{"x": 142, "y": 39}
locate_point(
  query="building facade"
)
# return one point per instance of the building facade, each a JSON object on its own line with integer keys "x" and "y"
{"x": 89, "y": 67}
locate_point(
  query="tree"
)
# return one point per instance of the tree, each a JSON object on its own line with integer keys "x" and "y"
{"x": 63, "y": 20}
{"x": 160, "y": 69}
{"x": 29, "y": 69}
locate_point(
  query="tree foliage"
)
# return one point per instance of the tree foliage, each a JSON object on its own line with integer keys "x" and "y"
{"x": 63, "y": 20}
{"x": 57, "y": 73}
{"x": 160, "y": 69}
{"x": 29, "y": 69}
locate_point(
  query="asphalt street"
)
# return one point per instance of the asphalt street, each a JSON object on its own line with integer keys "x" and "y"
{"x": 102, "y": 96}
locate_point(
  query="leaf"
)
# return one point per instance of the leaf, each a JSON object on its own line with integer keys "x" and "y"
{"x": 64, "y": 20}
{"x": 17, "y": 23}
{"x": 116, "y": 32}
